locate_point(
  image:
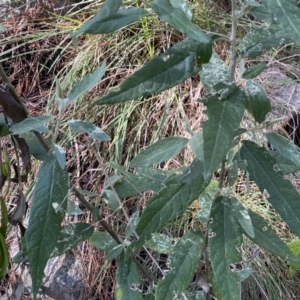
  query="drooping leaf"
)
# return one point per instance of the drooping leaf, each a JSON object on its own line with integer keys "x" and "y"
{"x": 60, "y": 155}
{"x": 259, "y": 40}
{"x": 282, "y": 194}
{"x": 177, "y": 14}
{"x": 128, "y": 279}
{"x": 224, "y": 117}
{"x": 169, "y": 203}
{"x": 161, "y": 73}
{"x": 28, "y": 124}
{"x": 254, "y": 71}
{"x": 102, "y": 241}
{"x": 242, "y": 216}
{"x": 160, "y": 243}
{"x": 20, "y": 210}
{"x": 12, "y": 108}
{"x": 258, "y": 103}
{"x": 213, "y": 72}
{"x": 112, "y": 21}
{"x": 83, "y": 86}
{"x": 184, "y": 259}
{"x": 87, "y": 127}
{"x": 44, "y": 223}
{"x": 160, "y": 151}
{"x": 225, "y": 237}
{"x": 70, "y": 236}
{"x": 285, "y": 14}
{"x": 266, "y": 238}
{"x": 289, "y": 158}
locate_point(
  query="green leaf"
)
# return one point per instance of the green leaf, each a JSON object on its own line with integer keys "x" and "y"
{"x": 4, "y": 257}
{"x": 289, "y": 158}
{"x": 35, "y": 147}
{"x": 102, "y": 241}
{"x": 168, "y": 204}
{"x": 115, "y": 252}
{"x": 160, "y": 243}
{"x": 70, "y": 236}
{"x": 294, "y": 265}
{"x": 258, "y": 40}
{"x": 225, "y": 237}
{"x": 258, "y": 103}
{"x": 285, "y": 14}
{"x": 224, "y": 117}
{"x": 283, "y": 196}
{"x": 161, "y": 73}
{"x": 184, "y": 260}
{"x": 266, "y": 238}
{"x": 73, "y": 209}
{"x": 83, "y": 86}
{"x": 4, "y": 217}
{"x": 87, "y": 127}
{"x": 206, "y": 199}
{"x": 177, "y": 14}
{"x": 111, "y": 23}
{"x": 160, "y": 151}
{"x": 60, "y": 155}
{"x": 233, "y": 173}
{"x": 254, "y": 71}
{"x": 196, "y": 143}
{"x": 130, "y": 228}
{"x": 28, "y": 124}
{"x": 44, "y": 223}
{"x": 242, "y": 216}
{"x": 213, "y": 72}
{"x": 110, "y": 198}
{"x": 128, "y": 279}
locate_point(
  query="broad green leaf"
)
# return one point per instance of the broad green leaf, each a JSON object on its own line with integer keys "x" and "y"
{"x": 285, "y": 165}
{"x": 168, "y": 204}
{"x": 87, "y": 127}
{"x": 244, "y": 274}
{"x": 60, "y": 155}
{"x": 285, "y": 13}
{"x": 83, "y": 86}
{"x": 294, "y": 265}
{"x": 283, "y": 196}
{"x": 128, "y": 279}
{"x": 266, "y": 238}
{"x": 115, "y": 252}
{"x": 110, "y": 198}
{"x": 242, "y": 216}
{"x": 289, "y": 154}
{"x": 130, "y": 228}
{"x": 70, "y": 236}
{"x": 44, "y": 223}
{"x": 161, "y": 73}
{"x": 112, "y": 23}
{"x": 160, "y": 151}
{"x": 175, "y": 13}
{"x": 28, "y": 124}
{"x": 102, "y": 241}
{"x": 73, "y": 209}
{"x": 205, "y": 201}
{"x": 225, "y": 237}
{"x": 196, "y": 143}
{"x": 260, "y": 12}
{"x": 4, "y": 217}
{"x": 259, "y": 40}
{"x": 152, "y": 173}
{"x": 4, "y": 257}
{"x": 254, "y": 71}
{"x": 184, "y": 260}
{"x": 213, "y": 72}
{"x": 110, "y": 181}
{"x": 224, "y": 117}
{"x": 160, "y": 243}
{"x": 258, "y": 103}
{"x": 35, "y": 147}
